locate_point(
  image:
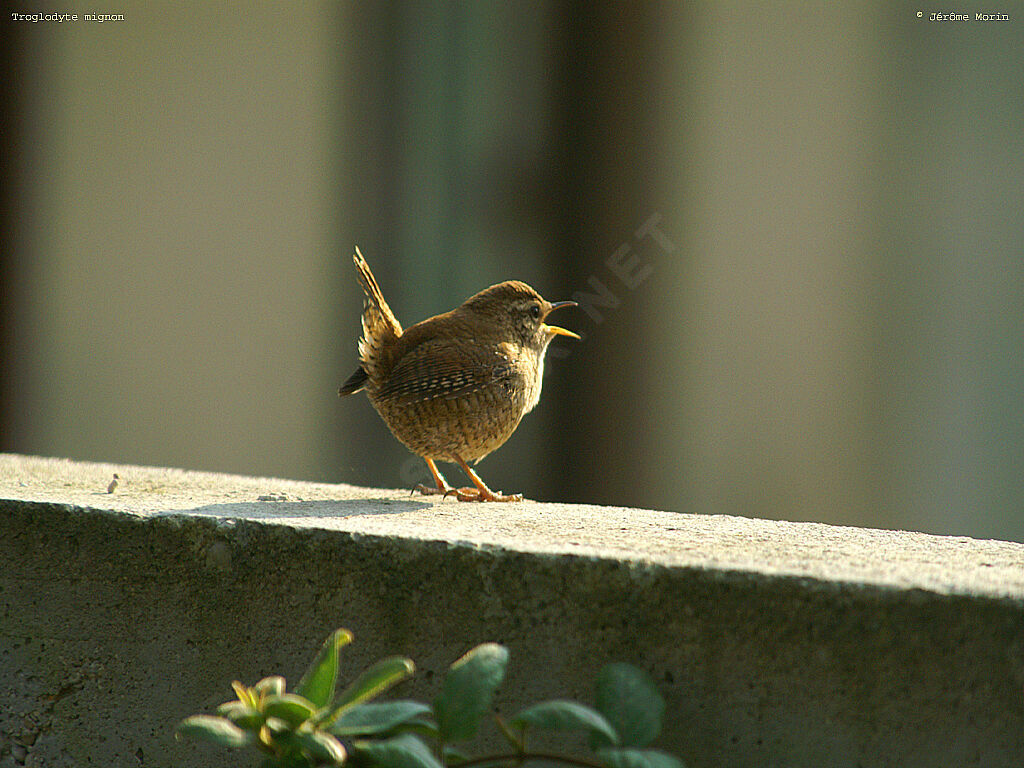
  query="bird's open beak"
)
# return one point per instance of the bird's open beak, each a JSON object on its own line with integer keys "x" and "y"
{"x": 554, "y": 328}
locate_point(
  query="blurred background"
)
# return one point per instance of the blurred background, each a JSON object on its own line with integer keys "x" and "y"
{"x": 796, "y": 232}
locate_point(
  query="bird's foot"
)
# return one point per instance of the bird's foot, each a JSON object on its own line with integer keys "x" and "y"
{"x": 440, "y": 486}
{"x": 483, "y": 494}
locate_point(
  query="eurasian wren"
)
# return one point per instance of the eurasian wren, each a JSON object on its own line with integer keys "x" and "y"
{"x": 455, "y": 386}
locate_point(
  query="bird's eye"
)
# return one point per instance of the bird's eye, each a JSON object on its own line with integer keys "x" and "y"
{"x": 535, "y": 311}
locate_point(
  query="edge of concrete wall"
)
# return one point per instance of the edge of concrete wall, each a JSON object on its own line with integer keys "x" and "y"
{"x": 773, "y": 643}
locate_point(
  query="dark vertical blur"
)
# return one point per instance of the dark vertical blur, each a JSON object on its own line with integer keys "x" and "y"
{"x": 12, "y": 128}
{"x": 605, "y": 58}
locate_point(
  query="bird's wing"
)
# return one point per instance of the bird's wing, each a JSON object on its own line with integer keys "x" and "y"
{"x": 441, "y": 369}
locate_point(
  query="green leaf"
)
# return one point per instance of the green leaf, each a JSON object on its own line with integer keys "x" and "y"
{"x": 374, "y": 681}
{"x": 566, "y": 716}
{"x": 421, "y": 725}
{"x": 244, "y": 694}
{"x": 468, "y": 691}
{"x": 290, "y": 707}
{"x": 405, "y": 751}
{"x": 214, "y": 729}
{"x": 289, "y": 754}
{"x": 628, "y": 699}
{"x": 317, "y": 685}
{"x": 241, "y": 714}
{"x": 638, "y": 758}
{"x": 270, "y": 686}
{"x": 322, "y": 747}
{"x": 372, "y": 719}
{"x": 278, "y": 728}
{"x": 452, "y": 756}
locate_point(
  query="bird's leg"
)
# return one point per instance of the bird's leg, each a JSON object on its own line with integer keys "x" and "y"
{"x": 442, "y": 488}
{"x": 481, "y": 492}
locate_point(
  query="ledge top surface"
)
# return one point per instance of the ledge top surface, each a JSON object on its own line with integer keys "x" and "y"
{"x": 826, "y": 553}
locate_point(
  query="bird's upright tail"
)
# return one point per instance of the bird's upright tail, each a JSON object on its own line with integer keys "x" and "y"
{"x": 380, "y": 326}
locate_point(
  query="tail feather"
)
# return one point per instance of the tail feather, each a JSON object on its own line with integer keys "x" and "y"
{"x": 373, "y": 293}
{"x": 380, "y": 326}
{"x": 355, "y": 383}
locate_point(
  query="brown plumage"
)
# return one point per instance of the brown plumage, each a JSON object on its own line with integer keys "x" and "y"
{"x": 455, "y": 386}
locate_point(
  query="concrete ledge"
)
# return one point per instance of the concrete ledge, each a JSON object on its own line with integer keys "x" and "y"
{"x": 781, "y": 644}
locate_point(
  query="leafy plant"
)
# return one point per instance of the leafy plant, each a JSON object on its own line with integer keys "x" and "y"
{"x": 314, "y": 726}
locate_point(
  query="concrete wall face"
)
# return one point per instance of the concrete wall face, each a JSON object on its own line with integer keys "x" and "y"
{"x": 115, "y": 625}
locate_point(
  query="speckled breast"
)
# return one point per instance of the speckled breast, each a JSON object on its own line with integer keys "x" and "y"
{"x": 468, "y": 425}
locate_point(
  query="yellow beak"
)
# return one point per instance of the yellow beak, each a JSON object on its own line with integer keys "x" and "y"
{"x": 560, "y": 331}
{"x": 554, "y": 329}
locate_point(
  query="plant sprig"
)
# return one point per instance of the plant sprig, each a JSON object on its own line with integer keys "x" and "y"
{"x": 316, "y": 726}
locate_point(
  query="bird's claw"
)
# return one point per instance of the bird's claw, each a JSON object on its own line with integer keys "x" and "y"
{"x": 477, "y": 494}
